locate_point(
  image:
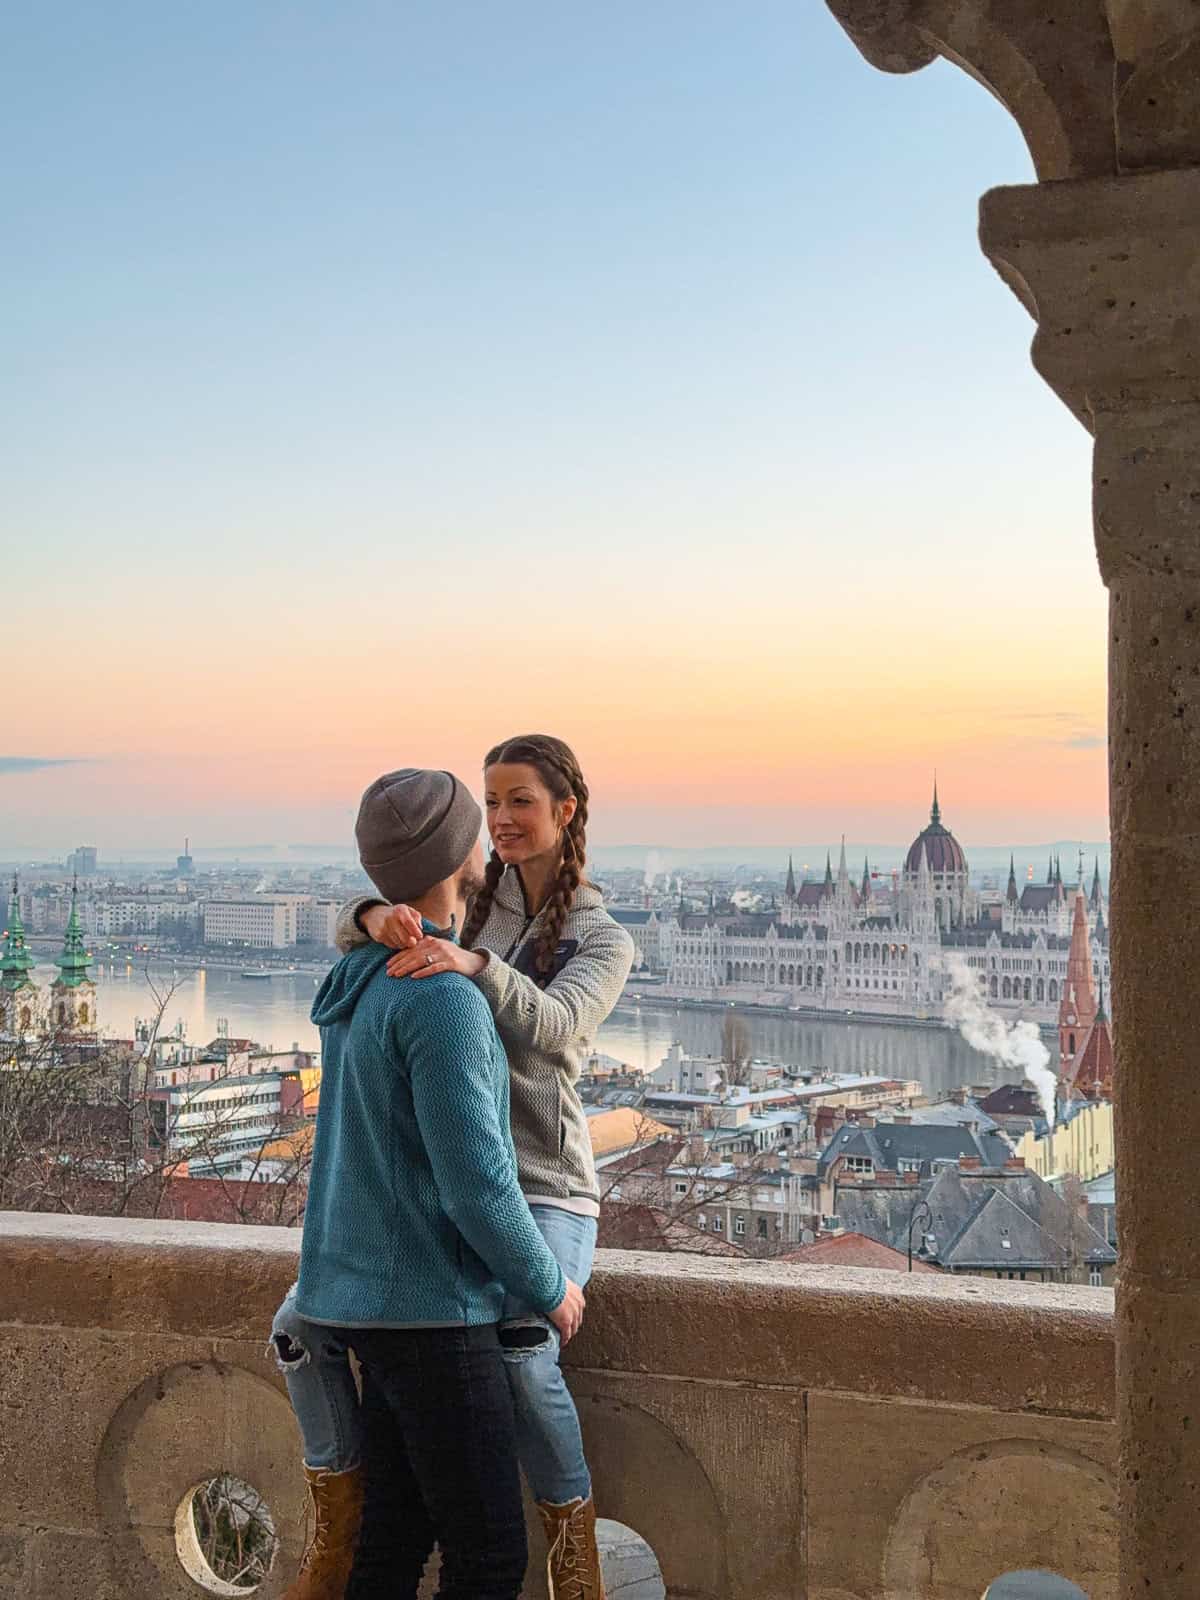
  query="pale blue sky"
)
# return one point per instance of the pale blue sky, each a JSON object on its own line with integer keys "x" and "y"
{"x": 347, "y": 315}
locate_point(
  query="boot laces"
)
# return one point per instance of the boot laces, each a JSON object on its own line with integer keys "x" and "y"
{"x": 570, "y": 1553}
{"x": 316, "y": 1533}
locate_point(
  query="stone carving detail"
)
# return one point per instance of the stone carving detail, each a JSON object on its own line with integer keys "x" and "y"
{"x": 179, "y": 1429}
{"x": 1096, "y": 88}
{"x": 999, "y": 1507}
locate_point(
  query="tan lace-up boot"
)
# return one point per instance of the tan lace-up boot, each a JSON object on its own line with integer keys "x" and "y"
{"x": 337, "y": 1499}
{"x": 573, "y": 1568}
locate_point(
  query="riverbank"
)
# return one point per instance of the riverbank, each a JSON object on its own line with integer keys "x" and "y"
{"x": 649, "y": 1000}
{"x": 273, "y": 963}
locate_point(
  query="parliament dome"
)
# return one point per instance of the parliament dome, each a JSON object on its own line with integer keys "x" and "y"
{"x": 942, "y": 849}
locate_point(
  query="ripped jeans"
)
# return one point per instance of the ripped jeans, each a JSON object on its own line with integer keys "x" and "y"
{"x": 316, "y": 1364}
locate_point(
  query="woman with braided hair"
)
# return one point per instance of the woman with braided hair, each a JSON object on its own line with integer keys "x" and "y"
{"x": 551, "y": 963}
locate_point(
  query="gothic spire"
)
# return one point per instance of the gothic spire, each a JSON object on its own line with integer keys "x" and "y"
{"x": 1096, "y": 895}
{"x": 935, "y": 811}
{"x": 15, "y": 962}
{"x": 866, "y": 881}
{"x": 1077, "y": 1009}
{"x": 74, "y": 962}
{"x": 1050, "y": 871}
{"x": 1012, "y": 879}
{"x": 790, "y": 888}
{"x": 828, "y": 870}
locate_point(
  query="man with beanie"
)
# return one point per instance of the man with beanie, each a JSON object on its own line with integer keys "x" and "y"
{"x": 414, "y": 1229}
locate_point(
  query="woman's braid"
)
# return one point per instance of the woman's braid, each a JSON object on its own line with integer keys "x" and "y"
{"x": 481, "y": 905}
{"x": 570, "y": 874}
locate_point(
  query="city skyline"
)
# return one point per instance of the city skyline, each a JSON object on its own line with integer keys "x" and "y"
{"x": 633, "y": 377}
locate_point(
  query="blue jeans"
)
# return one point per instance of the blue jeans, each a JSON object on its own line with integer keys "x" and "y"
{"x": 316, "y": 1364}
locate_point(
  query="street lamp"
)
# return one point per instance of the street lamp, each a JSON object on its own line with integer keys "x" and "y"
{"x": 920, "y": 1213}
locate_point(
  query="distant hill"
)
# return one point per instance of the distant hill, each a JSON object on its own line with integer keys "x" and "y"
{"x": 983, "y": 859}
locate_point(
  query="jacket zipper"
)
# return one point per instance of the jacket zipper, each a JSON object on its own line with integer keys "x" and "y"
{"x": 519, "y": 940}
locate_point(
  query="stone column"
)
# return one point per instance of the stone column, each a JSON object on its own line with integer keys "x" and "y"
{"x": 1111, "y": 270}
{"x": 1104, "y": 251}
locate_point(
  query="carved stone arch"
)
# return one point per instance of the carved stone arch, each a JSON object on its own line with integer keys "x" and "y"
{"x": 179, "y": 1429}
{"x": 1051, "y": 66}
{"x": 1028, "y": 1504}
{"x": 644, "y": 1476}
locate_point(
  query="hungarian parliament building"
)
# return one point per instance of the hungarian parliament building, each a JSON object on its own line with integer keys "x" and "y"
{"x": 841, "y": 945}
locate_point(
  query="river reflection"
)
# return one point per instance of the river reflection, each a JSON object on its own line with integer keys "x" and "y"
{"x": 275, "y": 1012}
{"x": 938, "y": 1057}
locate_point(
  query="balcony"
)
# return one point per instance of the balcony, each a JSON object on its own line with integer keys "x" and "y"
{"x": 774, "y": 1433}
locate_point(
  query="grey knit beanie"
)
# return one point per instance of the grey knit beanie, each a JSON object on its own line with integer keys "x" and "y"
{"x": 415, "y": 829}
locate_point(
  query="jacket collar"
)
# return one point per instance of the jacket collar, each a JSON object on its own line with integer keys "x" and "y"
{"x": 509, "y": 895}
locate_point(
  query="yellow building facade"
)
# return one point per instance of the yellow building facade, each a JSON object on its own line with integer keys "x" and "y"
{"x": 1085, "y": 1146}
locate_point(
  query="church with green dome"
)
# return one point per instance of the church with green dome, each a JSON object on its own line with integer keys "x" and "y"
{"x": 73, "y": 994}
{"x": 70, "y": 1005}
{"x": 20, "y": 998}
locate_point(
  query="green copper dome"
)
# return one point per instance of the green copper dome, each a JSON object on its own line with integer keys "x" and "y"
{"x": 16, "y": 961}
{"x": 74, "y": 962}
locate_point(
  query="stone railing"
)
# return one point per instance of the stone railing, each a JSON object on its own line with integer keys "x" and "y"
{"x": 774, "y": 1433}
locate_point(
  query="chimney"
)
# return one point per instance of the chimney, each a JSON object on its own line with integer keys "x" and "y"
{"x": 1015, "y": 1164}
{"x": 902, "y": 1119}
{"x": 959, "y": 1095}
{"x": 911, "y": 1177}
{"x": 866, "y": 1122}
{"x": 970, "y": 1164}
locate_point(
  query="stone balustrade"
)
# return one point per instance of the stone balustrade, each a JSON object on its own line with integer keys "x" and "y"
{"x": 774, "y": 1433}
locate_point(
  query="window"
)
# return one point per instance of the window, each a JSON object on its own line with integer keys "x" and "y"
{"x": 1096, "y": 1277}
{"x": 739, "y": 1227}
{"x": 718, "y": 1225}
{"x": 681, "y": 1188}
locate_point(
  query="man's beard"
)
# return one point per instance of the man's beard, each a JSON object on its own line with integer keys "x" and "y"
{"x": 470, "y": 883}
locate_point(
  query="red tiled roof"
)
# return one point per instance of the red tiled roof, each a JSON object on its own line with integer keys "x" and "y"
{"x": 1093, "y": 1069}
{"x": 853, "y": 1250}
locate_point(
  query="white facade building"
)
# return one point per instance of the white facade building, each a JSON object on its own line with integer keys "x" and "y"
{"x": 651, "y": 936}
{"x": 265, "y": 922}
{"x": 135, "y": 914}
{"x": 838, "y": 946}
{"x": 316, "y": 922}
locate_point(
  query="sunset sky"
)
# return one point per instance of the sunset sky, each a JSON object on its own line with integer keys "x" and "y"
{"x": 384, "y": 379}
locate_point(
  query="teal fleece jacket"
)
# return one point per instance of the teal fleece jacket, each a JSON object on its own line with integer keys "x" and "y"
{"x": 414, "y": 1215}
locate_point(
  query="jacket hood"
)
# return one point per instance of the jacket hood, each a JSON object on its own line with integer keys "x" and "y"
{"x": 344, "y": 983}
{"x": 510, "y": 895}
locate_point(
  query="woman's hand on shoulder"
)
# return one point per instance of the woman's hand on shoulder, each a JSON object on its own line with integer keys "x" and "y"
{"x": 398, "y": 927}
{"x": 429, "y": 956}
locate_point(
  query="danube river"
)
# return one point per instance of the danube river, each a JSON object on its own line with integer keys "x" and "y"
{"x": 274, "y": 1011}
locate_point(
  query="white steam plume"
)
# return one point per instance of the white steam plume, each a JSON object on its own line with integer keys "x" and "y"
{"x": 653, "y": 868}
{"x": 1016, "y": 1044}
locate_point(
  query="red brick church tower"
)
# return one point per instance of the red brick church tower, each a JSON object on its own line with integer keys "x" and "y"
{"x": 1077, "y": 1009}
